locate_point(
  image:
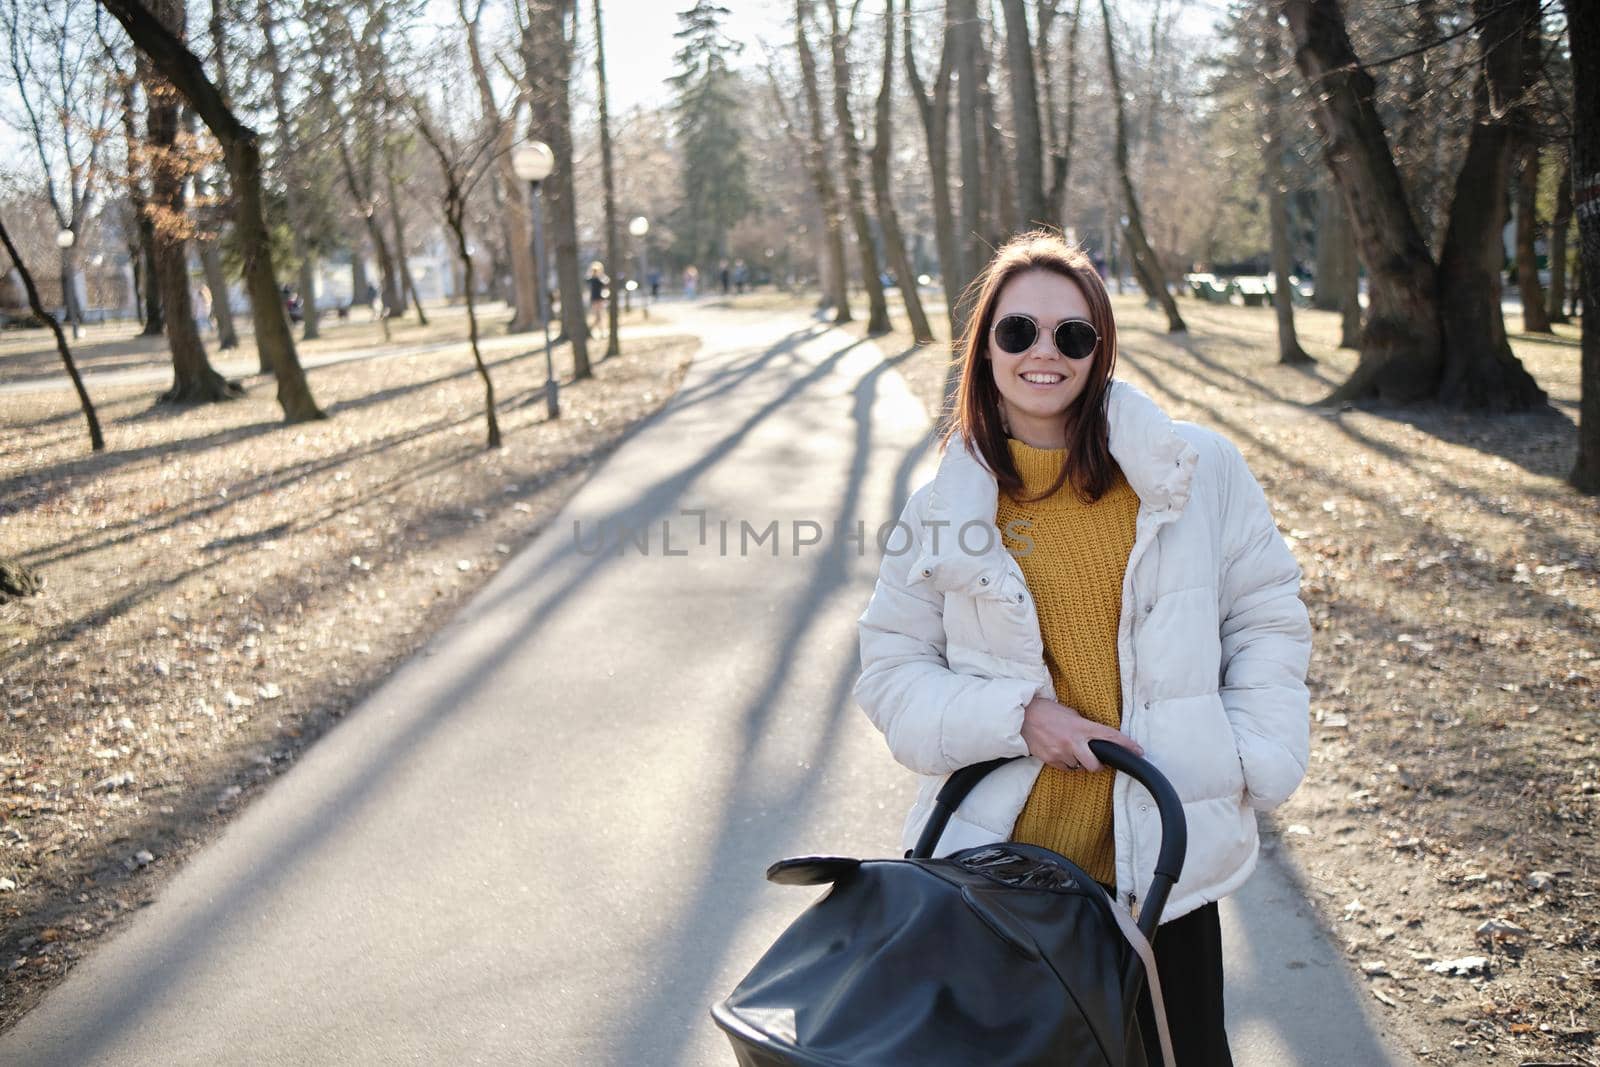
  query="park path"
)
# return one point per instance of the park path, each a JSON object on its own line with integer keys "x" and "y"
{"x": 542, "y": 839}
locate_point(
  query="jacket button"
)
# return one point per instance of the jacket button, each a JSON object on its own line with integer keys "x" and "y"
{"x": 927, "y": 572}
{"x": 1145, "y": 808}
{"x": 983, "y": 581}
{"x": 1146, "y": 705}
{"x": 1148, "y": 608}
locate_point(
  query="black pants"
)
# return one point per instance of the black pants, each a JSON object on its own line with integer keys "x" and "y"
{"x": 1189, "y": 959}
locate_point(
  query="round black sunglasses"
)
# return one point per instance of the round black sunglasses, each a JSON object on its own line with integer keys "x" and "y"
{"x": 1074, "y": 338}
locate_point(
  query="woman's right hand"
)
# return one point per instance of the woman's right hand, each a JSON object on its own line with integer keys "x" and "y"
{"x": 1060, "y": 736}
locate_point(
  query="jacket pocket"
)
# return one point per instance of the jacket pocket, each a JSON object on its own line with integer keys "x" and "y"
{"x": 1005, "y": 616}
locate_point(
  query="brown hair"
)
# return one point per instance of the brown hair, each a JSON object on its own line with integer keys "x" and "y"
{"x": 975, "y": 416}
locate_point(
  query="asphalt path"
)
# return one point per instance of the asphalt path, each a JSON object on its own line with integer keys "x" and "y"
{"x": 542, "y": 840}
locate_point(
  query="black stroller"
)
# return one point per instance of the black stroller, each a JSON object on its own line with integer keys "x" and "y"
{"x": 1003, "y": 955}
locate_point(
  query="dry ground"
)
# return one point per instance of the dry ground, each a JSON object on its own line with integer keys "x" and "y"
{"x": 1454, "y": 584}
{"x": 222, "y": 588}
{"x": 204, "y": 578}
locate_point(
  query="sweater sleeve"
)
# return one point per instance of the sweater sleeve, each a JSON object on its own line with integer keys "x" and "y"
{"x": 934, "y": 719}
{"x": 1266, "y": 642}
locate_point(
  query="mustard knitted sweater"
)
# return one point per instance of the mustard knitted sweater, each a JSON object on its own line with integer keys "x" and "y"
{"x": 1074, "y": 570}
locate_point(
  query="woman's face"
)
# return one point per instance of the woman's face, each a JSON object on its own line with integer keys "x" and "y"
{"x": 1035, "y": 408}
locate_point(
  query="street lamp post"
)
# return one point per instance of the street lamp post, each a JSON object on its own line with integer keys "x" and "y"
{"x": 65, "y": 239}
{"x": 640, "y": 226}
{"x": 533, "y": 163}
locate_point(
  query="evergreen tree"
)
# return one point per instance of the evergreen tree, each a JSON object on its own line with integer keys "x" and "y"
{"x": 716, "y": 171}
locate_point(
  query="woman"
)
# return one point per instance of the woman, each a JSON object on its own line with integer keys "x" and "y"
{"x": 1081, "y": 566}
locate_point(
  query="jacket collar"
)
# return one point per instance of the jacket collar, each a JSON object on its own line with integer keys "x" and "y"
{"x": 1158, "y": 463}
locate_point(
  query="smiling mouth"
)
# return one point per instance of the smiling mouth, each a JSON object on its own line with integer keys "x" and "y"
{"x": 1042, "y": 378}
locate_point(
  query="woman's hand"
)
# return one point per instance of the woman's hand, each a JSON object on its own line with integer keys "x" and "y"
{"x": 1060, "y": 736}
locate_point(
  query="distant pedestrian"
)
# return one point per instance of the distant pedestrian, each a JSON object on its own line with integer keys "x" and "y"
{"x": 691, "y": 281}
{"x": 655, "y": 284}
{"x": 200, "y": 299}
{"x": 598, "y": 293}
{"x": 725, "y": 277}
{"x": 741, "y": 274}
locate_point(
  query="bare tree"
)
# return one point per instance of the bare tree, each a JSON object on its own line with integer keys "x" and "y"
{"x": 167, "y": 53}
{"x": 1031, "y": 201}
{"x": 1414, "y": 346}
{"x": 462, "y": 165}
{"x": 547, "y": 49}
{"x": 194, "y": 380}
{"x": 141, "y": 245}
{"x": 97, "y": 441}
{"x": 210, "y": 207}
{"x": 1000, "y": 215}
{"x": 961, "y": 28}
{"x": 66, "y": 110}
{"x": 1583, "y": 29}
{"x": 830, "y": 246}
{"x": 1060, "y": 136}
{"x": 511, "y": 202}
{"x": 1151, "y": 275}
{"x": 1289, "y": 350}
{"x": 613, "y": 244}
{"x": 933, "y": 108}
{"x": 396, "y": 220}
{"x": 850, "y": 144}
{"x": 290, "y": 162}
{"x": 211, "y": 194}
{"x": 817, "y": 159}
{"x": 888, "y": 217}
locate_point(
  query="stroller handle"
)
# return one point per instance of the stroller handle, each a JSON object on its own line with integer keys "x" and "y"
{"x": 1174, "y": 828}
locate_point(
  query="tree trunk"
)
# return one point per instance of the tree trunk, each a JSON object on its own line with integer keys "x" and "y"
{"x": 290, "y": 163}
{"x": 490, "y": 420}
{"x": 1151, "y": 274}
{"x": 888, "y": 218}
{"x": 1559, "y": 225}
{"x": 143, "y": 229}
{"x": 613, "y": 244}
{"x": 1534, "y": 317}
{"x": 1583, "y": 30}
{"x": 455, "y": 206}
{"x": 877, "y": 305}
{"x": 999, "y": 194}
{"x": 548, "y": 59}
{"x": 210, "y": 260}
{"x": 179, "y": 66}
{"x": 97, "y": 441}
{"x": 1289, "y": 350}
{"x": 1060, "y": 139}
{"x": 217, "y": 282}
{"x": 155, "y": 321}
{"x": 934, "y": 110}
{"x": 1350, "y": 296}
{"x": 818, "y": 161}
{"x": 961, "y": 28}
{"x": 1025, "y": 118}
{"x": 402, "y": 257}
{"x": 1332, "y": 243}
{"x": 393, "y": 295}
{"x": 194, "y": 381}
{"x": 1401, "y": 359}
{"x": 1481, "y": 371}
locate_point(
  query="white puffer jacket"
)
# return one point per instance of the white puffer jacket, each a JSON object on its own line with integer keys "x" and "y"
{"x": 1213, "y": 644}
